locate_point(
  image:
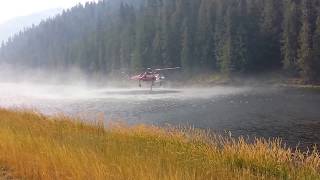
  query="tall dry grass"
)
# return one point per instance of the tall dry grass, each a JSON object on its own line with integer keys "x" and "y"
{"x": 33, "y": 146}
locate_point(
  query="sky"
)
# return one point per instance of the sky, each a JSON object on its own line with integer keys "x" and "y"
{"x": 13, "y": 8}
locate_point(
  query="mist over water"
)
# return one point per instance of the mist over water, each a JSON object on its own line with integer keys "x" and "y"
{"x": 20, "y": 83}
{"x": 20, "y": 93}
{"x": 255, "y": 111}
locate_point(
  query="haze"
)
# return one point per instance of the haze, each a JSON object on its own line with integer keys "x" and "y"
{"x": 16, "y": 8}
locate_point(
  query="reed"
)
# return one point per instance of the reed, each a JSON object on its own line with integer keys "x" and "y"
{"x": 34, "y": 146}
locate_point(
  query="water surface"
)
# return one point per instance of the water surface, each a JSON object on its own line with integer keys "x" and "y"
{"x": 291, "y": 114}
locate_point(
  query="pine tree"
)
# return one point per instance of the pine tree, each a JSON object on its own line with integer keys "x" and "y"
{"x": 305, "y": 60}
{"x": 241, "y": 37}
{"x": 138, "y": 52}
{"x": 137, "y": 59}
{"x": 316, "y": 48}
{"x": 290, "y": 36}
{"x": 240, "y": 50}
{"x": 164, "y": 35}
{"x": 235, "y": 35}
{"x": 2, "y": 51}
{"x": 270, "y": 34}
{"x": 203, "y": 34}
{"x": 226, "y": 51}
{"x": 186, "y": 57}
{"x": 156, "y": 50}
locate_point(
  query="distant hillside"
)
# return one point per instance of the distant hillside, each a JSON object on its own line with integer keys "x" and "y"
{"x": 228, "y": 36}
{"x": 15, "y": 25}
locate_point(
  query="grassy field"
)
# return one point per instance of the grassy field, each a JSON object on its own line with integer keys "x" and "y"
{"x": 33, "y": 146}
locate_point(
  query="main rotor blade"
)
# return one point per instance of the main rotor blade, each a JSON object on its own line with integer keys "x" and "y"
{"x": 165, "y": 69}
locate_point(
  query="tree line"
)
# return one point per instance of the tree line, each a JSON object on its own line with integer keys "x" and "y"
{"x": 229, "y": 36}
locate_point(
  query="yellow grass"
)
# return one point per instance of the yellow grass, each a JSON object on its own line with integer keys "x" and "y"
{"x": 33, "y": 146}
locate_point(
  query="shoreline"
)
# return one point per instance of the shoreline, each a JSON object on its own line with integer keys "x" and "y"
{"x": 35, "y": 146}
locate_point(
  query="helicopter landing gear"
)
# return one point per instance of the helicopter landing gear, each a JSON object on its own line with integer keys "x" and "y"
{"x": 152, "y": 84}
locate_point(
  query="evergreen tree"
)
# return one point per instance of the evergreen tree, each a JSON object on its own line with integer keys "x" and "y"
{"x": 290, "y": 36}
{"x": 2, "y": 49}
{"x": 212, "y": 35}
{"x": 164, "y": 35}
{"x": 241, "y": 37}
{"x": 316, "y": 48}
{"x": 305, "y": 60}
{"x": 226, "y": 51}
{"x": 203, "y": 34}
{"x": 270, "y": 34}
{"x": 186, "y": 56}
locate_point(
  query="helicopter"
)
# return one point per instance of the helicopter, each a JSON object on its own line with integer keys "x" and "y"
{"x": 153, "y": 76}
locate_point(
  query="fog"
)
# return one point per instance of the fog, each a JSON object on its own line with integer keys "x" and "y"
{"x": 74, "y": 84}
{"x": 73, "y": 91}
{"x": 83, "y": 90}
{"x": 251, "y": 109}
{"x": 42, "y": 91}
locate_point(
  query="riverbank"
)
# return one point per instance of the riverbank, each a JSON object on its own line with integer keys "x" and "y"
{"x": 34, "y": 146}
{"x": 238, "y": 79}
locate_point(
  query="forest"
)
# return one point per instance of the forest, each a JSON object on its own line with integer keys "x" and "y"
{"x": 227, "y": 36}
